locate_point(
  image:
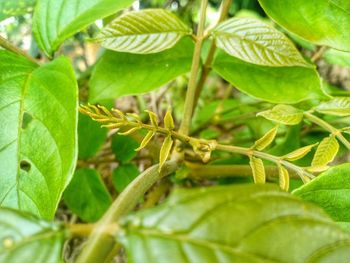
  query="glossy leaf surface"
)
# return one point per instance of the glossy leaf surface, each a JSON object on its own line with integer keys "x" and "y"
{"x": 256, "y": 42}
{"x": 273, "y": 84}
{"x": 24, "y": 238}
{"x": 322, "y": 22}
{"x": 119, "y": 74}
{"x": 38, "y": 144}
{"x": 143, "y": 32}
{"x": 252, "y": 223}
{"x": 56, "y": 20}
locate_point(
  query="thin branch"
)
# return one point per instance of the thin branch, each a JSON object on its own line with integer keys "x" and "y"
{"x": 325, "y": 125}
{"x": 101, "y": 243}
{"x": 318, "y": 54}
{"x": 10, "y": 47}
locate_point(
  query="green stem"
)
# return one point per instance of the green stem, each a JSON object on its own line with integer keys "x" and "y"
{"x": 10, "y": 47}
{"x": 199, "y": 171}
{"x": 325, "y": 125}
{"x": 101, "y": 243}
{"x": 206, "y": 68}
{"x": 191, "y": 90}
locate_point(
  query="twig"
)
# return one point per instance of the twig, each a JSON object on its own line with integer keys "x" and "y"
{"x": 10, "y": 47}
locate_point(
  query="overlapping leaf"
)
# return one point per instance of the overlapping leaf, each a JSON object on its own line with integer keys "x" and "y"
{"x": 256, "y": 42}
{"x": 338, "y": 106}
{"x": 252, "y": 223}
{"x": 119, "y": 74}
{"x": 330, "y": 190}
{"x": 38, "y": 146}
{"x": 143, "y": 32}
{"x": 274, "y": 84}
{"x": 24, "y": 238}
{"x": 322, "y": 22}
{"x": 283, "y": 114}
{"x": 57, "y": 20}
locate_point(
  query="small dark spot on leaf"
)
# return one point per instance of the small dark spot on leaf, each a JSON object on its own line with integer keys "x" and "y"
{"x": 25, "y": 166}
{"x": 27, "y": 118}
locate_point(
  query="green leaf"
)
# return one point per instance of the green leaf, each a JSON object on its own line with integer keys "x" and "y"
{"x": 266, "y": 140}
{"x": 124, "y": 148}
{"x": 336, "y": 57}
{"x": 146, "y": 140}
{"x": 283, "y": 114}
{"x": 258, "y": 170}
{"x": 91, "y": 137}
{"x": 256, "y": 42}
{"x": 169, "y": 121}
{"x": 330, "y": 190}
{"x": 24, "y": 238}
{"x": 274, "y": 84}
{"x": 322, "y": 22}
{"x": 165, "y": 150}
{"x": 337, "y": 106}
{"x": 143, "y": 32}
{"x": 241, "y": 223}
{"x": 298, "y": 153}
{"x": 56, "y": 20}
{"x": 87, "y": 196}
{"x": 326, "y": 152}
{"x": 38, "y": 146}
{"x": 120, "y": 74}
{"x": 10, "y": 8}
{"x": 123, "y": 175}
{"x": 283, "y": 176}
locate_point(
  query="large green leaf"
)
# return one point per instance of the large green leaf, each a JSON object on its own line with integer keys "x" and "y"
{"x": 273, "y": 84}
{"x": 38, "y": 114}
{"x": 233, "y": 224}
{"x": 87, "y": 196}
{"x": 322, "y": 21}
{"x": 143, "y": 32}
{"x": 24, "y": 238}
{"x": 118, "y": 74}
{"x": 256, "y": 42}
{"x": 14, "y": 8}
{"x": 57, "y": 20}
{"x": 331, "y": 191}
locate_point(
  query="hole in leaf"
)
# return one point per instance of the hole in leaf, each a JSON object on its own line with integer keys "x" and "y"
{"x": 27, "y": 118}
{"x": 25, "y": 166}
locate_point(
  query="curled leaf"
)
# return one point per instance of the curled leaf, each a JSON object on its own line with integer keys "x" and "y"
{"x": 165, "y": 150}
{"x": 283, "y": 178}
{"x": 326, "y": 152}
{"x": 283, "y": 114}
{"x": 132, "y": 130}
{"x": 135, "y": 117}
{"x": 169, "y": 121}
{"x": 203, "y": 148}
{"x": 299, "y": 153}
{"x": 266, "y": 140}
{"x": 258, "y": 170}
{"x": 146, "y": 140}
{"x": 153, "y": 117}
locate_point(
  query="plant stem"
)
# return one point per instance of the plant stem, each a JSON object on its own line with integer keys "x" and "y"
{"x": 10, "y": 47}
{"x": 325, "y": 125}
{"x": 200, "y": 171}
{"x": 250, "y": 152}
{"x": 206, "y": 68}
{"x": 318, "y": 54}
{"x": 101, "y": 243}
{"x": 191, "y": 90}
